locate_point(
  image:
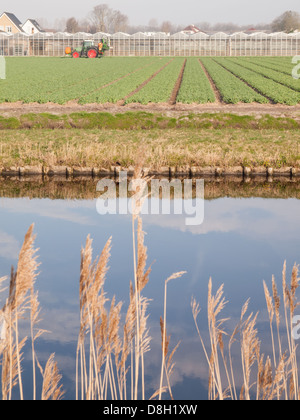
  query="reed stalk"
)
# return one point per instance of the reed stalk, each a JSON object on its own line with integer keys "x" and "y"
{"x": 165, "y": 340}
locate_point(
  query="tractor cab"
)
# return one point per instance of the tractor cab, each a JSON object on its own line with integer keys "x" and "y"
{"x": 88, "y": 44}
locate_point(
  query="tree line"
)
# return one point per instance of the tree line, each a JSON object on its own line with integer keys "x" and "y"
{"x": 105, "y": 19}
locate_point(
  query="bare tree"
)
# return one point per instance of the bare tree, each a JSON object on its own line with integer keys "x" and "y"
{"x": 85, "y": 25}
{"x": 166, "y": 27}
{"x": 72, "y": 26}
{"x": 99, "y": 17}
{"x": 152, "y": 25}
{"x": 60, "y": 24}
{"x": 227, "y": 27}
{"x": 287, "y": 22}
{"x": 105, "y": 19}
{"x": 118, "y": 21}
{"x": 204, "y": 26}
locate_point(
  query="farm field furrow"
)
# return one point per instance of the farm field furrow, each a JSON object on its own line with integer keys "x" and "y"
{"x": 276, "y": 92}
{"x": 232, "y": 89}
{"x": 195, "y": 86}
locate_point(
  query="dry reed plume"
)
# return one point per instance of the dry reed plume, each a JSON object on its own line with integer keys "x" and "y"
{"x": 263, "y": 377}
{"x": 22, "y": 303}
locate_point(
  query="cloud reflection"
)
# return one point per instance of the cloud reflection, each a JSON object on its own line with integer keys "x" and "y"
{"x": 9, "y": 246}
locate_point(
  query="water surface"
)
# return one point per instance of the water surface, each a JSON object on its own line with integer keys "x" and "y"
{"x": 242, "y": 242}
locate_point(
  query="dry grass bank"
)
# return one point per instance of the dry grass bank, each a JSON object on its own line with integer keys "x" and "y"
{"x": 223, "y": 148}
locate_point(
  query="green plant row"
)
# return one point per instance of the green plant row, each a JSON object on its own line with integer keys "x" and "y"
{"x": 278, "y": 65}
{"x": 160, "y": 88}
{"x": 276, "y": 92}
{"x": 195, "y": 87}
{"x": 281, "y": 78}
{"x": 230, "y": 87}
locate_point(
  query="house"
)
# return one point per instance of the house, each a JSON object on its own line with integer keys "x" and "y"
{"x": 31, "y": 27}
{"x": 191, "y": 30}
{"x": 10, "y": 24}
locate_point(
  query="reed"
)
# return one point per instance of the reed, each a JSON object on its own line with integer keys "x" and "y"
{"x": 166, "y": 366}
{"x": 263, "y": 377}
{"x": 21, "y": 302}
{"x": 52, "y": 390}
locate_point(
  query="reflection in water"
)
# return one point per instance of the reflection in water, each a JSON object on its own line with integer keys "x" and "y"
{"x": 86, "y": 187}
{"x": 244, "y": 239}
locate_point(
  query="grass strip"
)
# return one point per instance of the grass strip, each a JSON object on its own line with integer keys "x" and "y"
{"x": 146, "y": 121}
{"x": 223, "y": 147}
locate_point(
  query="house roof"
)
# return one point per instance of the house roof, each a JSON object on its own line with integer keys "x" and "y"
{"x": 193, "y": 29}
{"x": 14, "y": 20}
{"x": 34, "y": 23}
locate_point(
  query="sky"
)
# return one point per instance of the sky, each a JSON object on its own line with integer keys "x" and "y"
{"x": 178, "y": 12}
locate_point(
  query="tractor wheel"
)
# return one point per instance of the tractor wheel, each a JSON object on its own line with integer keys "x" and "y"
{"x": 92, "y": 53}
{"x": 75, "y": 54}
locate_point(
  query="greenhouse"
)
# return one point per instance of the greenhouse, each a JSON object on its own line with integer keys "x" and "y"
{"x": 158, "y": 44}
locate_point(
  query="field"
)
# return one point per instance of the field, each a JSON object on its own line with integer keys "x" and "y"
{"x": 122, "y": 81}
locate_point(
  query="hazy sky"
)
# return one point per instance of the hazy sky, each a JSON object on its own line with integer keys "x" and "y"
{"x": 140, "y": 12}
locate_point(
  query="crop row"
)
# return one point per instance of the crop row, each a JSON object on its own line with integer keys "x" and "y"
{"x": 266, "y": 63}
{"x": 195, "y": 86}
{"x": 160, "y": 88}
{"x": 271, "y": 74}
{"x": 230, "y": 87}
{"x": 273, "y": 90}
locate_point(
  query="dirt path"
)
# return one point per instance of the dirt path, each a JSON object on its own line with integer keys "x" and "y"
{"x": 18, "y": 108}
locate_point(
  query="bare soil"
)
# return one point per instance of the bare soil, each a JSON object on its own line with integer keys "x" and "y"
{"x": 18, "y": 108}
